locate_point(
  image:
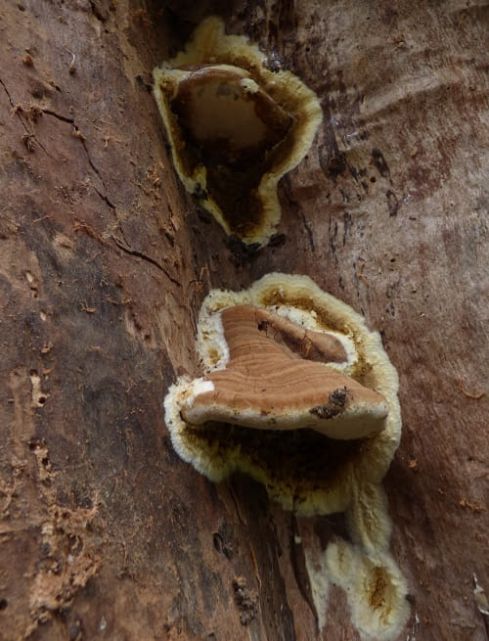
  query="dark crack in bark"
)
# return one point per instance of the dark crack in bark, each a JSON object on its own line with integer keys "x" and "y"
{"x": 298, "y": 562}
{"x": 148, "y": 259}
{"x": 93, "y": 166}
{"x": 50, "y": 112}
{"x": 28, "y": 132}
{"x": 8, "y": 93}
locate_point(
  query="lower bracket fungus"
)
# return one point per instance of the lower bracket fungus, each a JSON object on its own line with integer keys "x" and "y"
{"x": 299, "y": 394}
{"x": 272, "y": 381}
{"x": 235, "y": 127}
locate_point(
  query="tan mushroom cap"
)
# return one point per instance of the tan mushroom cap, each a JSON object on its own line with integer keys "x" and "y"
{"x": 276, "y": 378}
{"x": 226, "y": 113}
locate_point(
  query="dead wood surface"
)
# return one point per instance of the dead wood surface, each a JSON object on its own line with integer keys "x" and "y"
{"x": 104, "y": 261}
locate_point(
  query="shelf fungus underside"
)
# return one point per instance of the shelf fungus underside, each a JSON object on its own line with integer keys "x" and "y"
{"x": 298, "y": 393}
{"x": 235, "y": 128}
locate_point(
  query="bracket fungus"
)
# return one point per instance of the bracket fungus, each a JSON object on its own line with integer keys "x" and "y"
{"x": 235, "y": 127}
{"x": 275, "y": 378}
{"x": 299, "y": 394}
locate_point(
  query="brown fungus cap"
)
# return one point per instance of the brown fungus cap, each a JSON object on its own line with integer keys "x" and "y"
{"x": 270, "y": 383}
{"x": 235, "y": 127}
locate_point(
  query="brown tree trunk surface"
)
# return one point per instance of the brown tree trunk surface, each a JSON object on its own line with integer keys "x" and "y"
{"x": 104, "y": 261}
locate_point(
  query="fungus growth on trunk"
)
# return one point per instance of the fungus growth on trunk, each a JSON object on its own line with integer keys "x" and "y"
{"x": 235, "y": 127}
{"x": 298, "y": 393}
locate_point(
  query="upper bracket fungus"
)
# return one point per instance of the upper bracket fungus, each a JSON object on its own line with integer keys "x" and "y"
{"x": 235, "y": 127}
{"x": 298, "y": 393}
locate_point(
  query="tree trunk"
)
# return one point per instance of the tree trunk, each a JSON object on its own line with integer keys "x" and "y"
{"x": 104, "y": 261}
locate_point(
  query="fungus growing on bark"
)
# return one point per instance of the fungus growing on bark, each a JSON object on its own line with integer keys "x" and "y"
{"x": 235, "y": 127}
{"x": 290, "y": 329}
{"x": 280, "y": 356}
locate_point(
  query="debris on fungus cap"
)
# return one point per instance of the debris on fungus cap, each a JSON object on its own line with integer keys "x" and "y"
{"x": 235, "y": 127}
{"x": 285, "y": 328}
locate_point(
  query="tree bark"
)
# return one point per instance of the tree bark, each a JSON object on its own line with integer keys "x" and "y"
{"x": 104, "y": 261}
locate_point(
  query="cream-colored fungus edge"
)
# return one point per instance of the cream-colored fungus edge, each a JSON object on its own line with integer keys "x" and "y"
{"x": 211, "y": 45}
{"x": 375, "y": 588}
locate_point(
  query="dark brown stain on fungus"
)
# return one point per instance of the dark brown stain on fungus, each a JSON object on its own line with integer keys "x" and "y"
{"x": 338, "y": 397}
{"x": 335, "y": 405}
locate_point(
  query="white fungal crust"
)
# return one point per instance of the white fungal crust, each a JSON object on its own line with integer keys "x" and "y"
{"x": 375, "y": 588}
{"x": 212, "y": 52}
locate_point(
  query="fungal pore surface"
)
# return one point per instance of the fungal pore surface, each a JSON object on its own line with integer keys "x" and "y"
{"x": 299, "y": 394}
{"x": 235, "y": 127}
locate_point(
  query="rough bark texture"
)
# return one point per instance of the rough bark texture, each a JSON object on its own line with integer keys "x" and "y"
{"x": 104, "y": 261}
